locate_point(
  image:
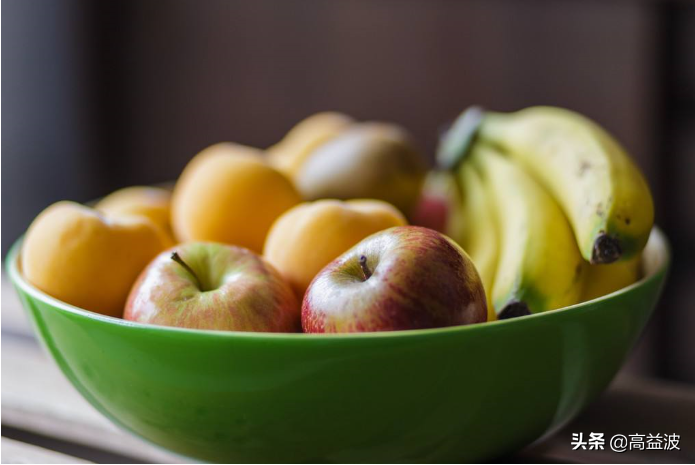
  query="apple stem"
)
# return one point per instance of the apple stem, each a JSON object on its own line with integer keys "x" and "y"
{"x": 365, "y": 269}
{"x": 177, "y": 258}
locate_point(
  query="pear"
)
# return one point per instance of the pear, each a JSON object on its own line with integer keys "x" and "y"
{"x": 291, "y": 152}
{"x": 367, "y": 160}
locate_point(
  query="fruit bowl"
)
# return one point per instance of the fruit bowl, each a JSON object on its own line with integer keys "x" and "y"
{"x": 465, "y": 393}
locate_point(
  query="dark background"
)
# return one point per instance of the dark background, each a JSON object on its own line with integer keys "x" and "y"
{"x": 103, "y": 94}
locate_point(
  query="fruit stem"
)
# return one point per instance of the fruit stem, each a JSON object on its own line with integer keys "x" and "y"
{"x": 514, "y": 309}
{"x": 456, "y": 144}
{"x": 177, "y": 258}
{"x": 365, "y": 269}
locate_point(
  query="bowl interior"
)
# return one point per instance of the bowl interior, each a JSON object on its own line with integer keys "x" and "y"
{"x": 655, "y": 260}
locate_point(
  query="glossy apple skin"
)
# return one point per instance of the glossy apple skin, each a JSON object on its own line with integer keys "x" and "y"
{"x": 241, "y": 291}
{"x": 420, "y": 279}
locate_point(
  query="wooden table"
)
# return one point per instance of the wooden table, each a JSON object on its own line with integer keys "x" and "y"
{"x": 45, "y": 420}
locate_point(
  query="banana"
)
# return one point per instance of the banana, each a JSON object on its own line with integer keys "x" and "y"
{"x": 478, "y": 230}
{"x": 604, "y": 279}
{"x": 539, "y": 266}
{"x": 600, "y": 189}
{"x": 453, "y": 202}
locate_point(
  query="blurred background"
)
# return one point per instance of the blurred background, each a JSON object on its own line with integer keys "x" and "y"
{"x": 99, "y": 95}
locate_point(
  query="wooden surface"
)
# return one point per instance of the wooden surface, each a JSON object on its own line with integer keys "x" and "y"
{"x": 44, "y": 418}
{"x": 20, "y": 452}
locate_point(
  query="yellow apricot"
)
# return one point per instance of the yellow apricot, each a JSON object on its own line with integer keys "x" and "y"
{"x": 229, "y": 194}
{"x": 152, "y": 202}
{"x": 311, "y": 235}
{"x": 76, "y": 255}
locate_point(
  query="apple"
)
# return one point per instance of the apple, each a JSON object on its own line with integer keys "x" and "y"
{"x": 432, "y": 212}
{"x": 440, "y": 206}
{"x": 406, "y": 277}
{"x": 208, "y": 285}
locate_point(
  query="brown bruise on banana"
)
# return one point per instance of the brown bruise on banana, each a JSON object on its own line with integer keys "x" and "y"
{"x": 625, "y": 220}
{"x": 600, "y": 212}
{"x": 578, "y": 272}
{"x": 584, "y": 167}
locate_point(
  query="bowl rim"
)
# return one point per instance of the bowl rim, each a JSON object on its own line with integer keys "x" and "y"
{"x": 658, "y": 245}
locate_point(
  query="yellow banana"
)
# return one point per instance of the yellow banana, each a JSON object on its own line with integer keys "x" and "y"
{"x": 454, "y": 203}
{"x": 539, "y": 266}
{"x": 480, "y": 235}
{"x": 604, "y": 279}
{"x": 600, "y": 189}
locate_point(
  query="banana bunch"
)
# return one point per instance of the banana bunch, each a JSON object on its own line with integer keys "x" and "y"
{"x": 604, "y": 279}
{"x": 602, "y": 192}
{"x": 479, "y": 229}
{"x": 549, "y": 200}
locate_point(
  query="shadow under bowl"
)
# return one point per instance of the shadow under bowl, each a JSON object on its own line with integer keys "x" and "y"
{"x": 467, "y": 393}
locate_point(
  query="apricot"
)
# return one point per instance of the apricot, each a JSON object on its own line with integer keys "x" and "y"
{"x": 228, "y": 193}
{"x": 77, "y": 255}
{"x": 151, "y": 202}
{"x": 309, "y": 236}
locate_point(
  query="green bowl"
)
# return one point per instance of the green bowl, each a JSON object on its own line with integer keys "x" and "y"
{"x": 466, "y": 393}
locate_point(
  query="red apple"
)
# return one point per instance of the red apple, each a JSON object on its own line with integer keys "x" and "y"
{"x": 431, "y": 211}
{"x": 206, "y": 285}
{"x": 407, "y": 277}
{"x": 440, "y": 206}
